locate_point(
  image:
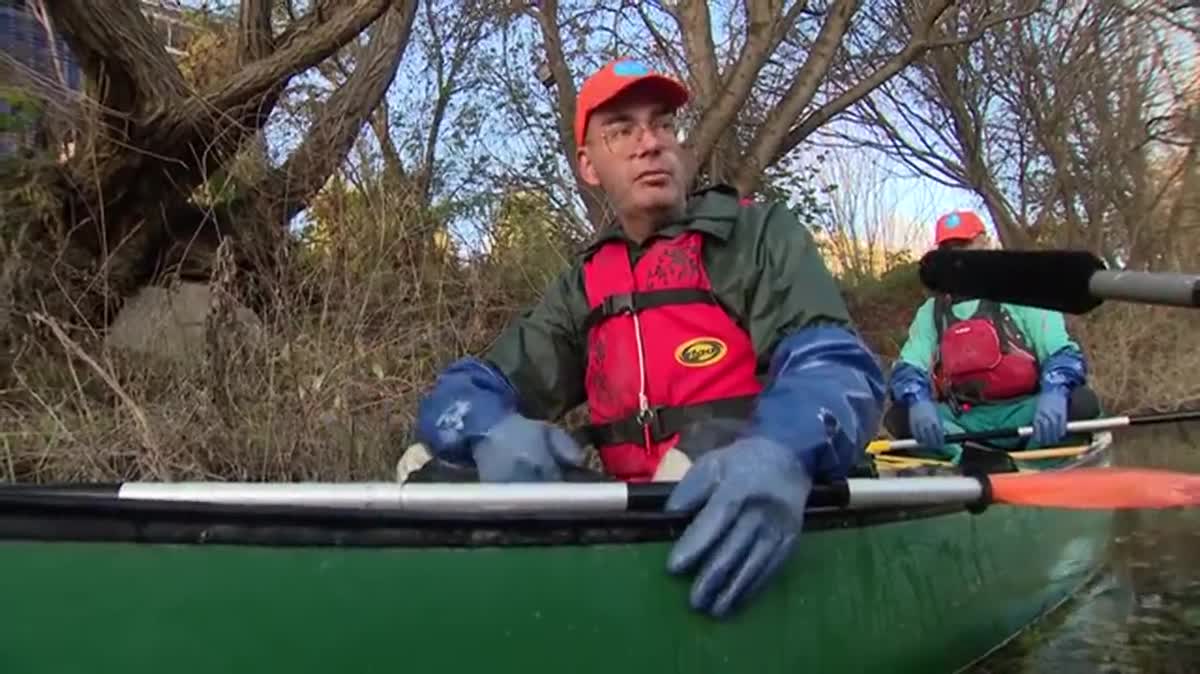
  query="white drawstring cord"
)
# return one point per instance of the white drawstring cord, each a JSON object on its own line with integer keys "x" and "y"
{"x": 643, "y": 401}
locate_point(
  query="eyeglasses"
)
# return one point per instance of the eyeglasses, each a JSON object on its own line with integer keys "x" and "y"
{"x": 623, "y": 137}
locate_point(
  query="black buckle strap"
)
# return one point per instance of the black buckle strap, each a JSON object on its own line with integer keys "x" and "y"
{"x": 663, "y": 421}
{"x": 622, "y": 303}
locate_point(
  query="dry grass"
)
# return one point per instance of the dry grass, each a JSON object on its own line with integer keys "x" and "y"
{"x": 351, "y": 335}
{"x": 1143, "y": 358}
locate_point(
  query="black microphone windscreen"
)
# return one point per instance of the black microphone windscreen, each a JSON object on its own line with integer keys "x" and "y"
{"x": 1052, "y": 279}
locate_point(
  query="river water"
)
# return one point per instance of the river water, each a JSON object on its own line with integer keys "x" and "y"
{"x": 1142, "y": 612}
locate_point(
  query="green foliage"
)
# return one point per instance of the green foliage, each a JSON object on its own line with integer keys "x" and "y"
{"x": 529, "y": 248}
{"x": 23, "y": 110}
{"x": 797, "y": 185}
{"x": 883, "y": 307}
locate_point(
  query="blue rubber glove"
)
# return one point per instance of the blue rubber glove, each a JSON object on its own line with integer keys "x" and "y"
{"x": 821, "y": 406}
{"x": 909, "y": 383}
{"x": 1050, "y": 419}
{"x": 524, "y": 450}
{"x": 1061, "y": 372}
{"x": 910, "y": 388}
{"x": 753, "y": 494}
{"x": 926, "y": 424}
{"x": 470, "y": 417}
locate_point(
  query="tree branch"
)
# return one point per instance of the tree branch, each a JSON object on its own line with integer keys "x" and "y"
{"x": 913, "y": 50}
{"x": 339, "y": 121}
{"x": 662, "y": 42}
{"x": 721, "y": 111}
{"x": 296, "y": 55}
{"x": 121, "y": 53}
{"x": 695, "y": 27}
{"x": 467, "y": 39}
{"x": 380, "y": 124}
{"x": 256, "y": 40}
{"x": 766, "y": 142}
{"x": 299, "y": 26}
{"x": 547, "y": 18}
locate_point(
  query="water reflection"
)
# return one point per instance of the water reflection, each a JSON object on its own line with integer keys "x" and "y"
{"x": 1142, "y": 612}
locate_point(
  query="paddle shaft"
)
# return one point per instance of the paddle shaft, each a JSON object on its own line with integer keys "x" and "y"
{"x": 1082, "y": 426}
{"x": 512, "y": 498}
{"x": 1167, "y": 288}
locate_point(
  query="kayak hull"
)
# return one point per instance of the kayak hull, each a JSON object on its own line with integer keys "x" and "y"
{"x": 196, "y": 590}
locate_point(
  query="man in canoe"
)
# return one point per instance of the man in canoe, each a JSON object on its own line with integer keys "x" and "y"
{"x": 970, "y": 365}
{"x": 694, "y": 326}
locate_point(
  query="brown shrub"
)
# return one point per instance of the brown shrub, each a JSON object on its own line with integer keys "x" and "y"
{"x": 1141, "y": 356}
{"x": 349, "y": 340}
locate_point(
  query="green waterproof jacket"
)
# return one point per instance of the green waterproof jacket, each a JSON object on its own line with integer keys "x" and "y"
{"x": 763, "y": 264}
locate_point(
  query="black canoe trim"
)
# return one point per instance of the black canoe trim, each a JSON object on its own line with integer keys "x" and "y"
{"x": 72, "y": 518}
{"x": 85, "y": 515}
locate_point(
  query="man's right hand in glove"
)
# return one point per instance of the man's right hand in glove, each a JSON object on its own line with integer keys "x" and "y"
{"x": 926, "y": 424}
{"x": 471, "y": 417}
{"x": 524, "y": 450}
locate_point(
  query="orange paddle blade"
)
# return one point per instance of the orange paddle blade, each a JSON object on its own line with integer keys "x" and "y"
{"x": 1098, "y": 488}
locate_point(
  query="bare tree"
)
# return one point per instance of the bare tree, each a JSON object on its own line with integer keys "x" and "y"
{"x": 785, "y": 70}
{"x": 862, "y": 228}
{"x": 1056, "y": 125}
{"x": 124, "y": 200}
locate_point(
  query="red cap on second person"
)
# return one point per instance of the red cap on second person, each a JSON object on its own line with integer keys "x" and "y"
{"x": 964, "y": 225}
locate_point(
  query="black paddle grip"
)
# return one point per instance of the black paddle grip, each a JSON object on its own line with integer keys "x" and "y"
{"x": 652, "y": 496}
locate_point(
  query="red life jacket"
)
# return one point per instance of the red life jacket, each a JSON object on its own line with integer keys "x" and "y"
{"x": 982, "y": 358}
{"x": 662, "y": 353}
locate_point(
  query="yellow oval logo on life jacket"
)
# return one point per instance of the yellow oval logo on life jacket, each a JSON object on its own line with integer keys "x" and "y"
{"x": 700, "y": 352}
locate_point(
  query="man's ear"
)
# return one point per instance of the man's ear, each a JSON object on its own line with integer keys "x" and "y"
{"x": 587, "y": 170}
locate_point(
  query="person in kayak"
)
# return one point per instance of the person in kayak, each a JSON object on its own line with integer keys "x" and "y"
{"x": 972, "y": 365}
{"x": 695, "y": 325}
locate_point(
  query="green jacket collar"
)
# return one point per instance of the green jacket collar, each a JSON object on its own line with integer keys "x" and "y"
{"x": 712, "y": 211}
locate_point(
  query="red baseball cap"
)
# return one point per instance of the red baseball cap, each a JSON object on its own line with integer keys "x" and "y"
{"x": 614, "y": 78}
{"x": 958, "y": 225}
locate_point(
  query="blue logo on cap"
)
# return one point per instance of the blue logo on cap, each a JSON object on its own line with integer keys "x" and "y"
{"x": 630, "y": 69}
{"x": 953, "y": 221}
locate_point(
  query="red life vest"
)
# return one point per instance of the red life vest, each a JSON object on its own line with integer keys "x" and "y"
{"x": 662, "y": 353}
{"x": 982, "y": 358}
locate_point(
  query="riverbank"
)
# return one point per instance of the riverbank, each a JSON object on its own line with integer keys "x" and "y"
{"x": 328, "y": 387}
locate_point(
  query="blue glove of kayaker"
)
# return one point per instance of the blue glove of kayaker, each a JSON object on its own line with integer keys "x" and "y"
{"x": 926, "y": 424}
{"x": 1050, "y": 419}
{"x": 1061, "y": 372}
{"x": 753, "y": 494}
{"x": 525, "y": 450}
{"x": 821, "y": 406}
{"x": 471, "y": 417}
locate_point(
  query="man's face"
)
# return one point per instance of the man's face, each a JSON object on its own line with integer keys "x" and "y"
{"x": 978, "y": 242}
{"x": 631, "y": 151}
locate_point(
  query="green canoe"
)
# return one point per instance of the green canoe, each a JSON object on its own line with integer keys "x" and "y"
{"x": 95, "y": 583}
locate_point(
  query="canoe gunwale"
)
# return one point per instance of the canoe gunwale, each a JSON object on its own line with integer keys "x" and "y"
{"x": 95, "y": 518}
{"x": 68, "y": 518}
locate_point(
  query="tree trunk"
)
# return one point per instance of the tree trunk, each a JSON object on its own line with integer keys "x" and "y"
{"x": 127, "y": 209}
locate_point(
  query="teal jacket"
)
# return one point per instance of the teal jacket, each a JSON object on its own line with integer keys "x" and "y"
{"x": 1060, "y": 359}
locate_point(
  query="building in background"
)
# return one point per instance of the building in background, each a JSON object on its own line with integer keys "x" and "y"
{"x": 35, "y": 66}
{"x": 38, "y": 71}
